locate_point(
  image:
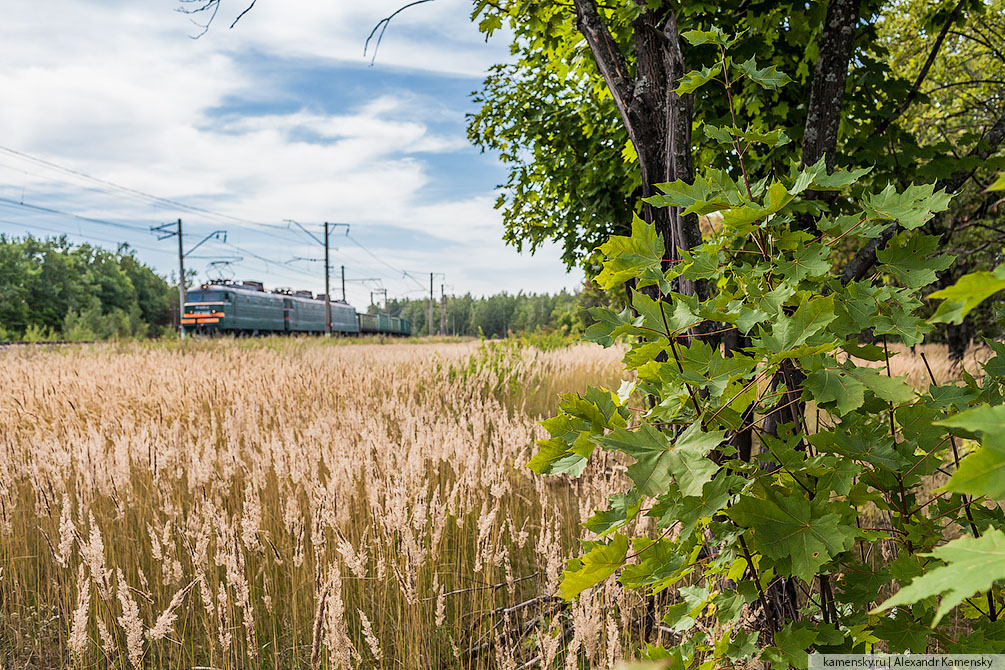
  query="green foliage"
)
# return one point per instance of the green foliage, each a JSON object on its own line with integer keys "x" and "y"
{"x": 52, "y": 290}
{"x": 972, "y": 566}
{"x": 968, "y": 292}
{"x": 549, "y": 320}
{"x": 816, "y": 499}
{"x": 573, "y": 174}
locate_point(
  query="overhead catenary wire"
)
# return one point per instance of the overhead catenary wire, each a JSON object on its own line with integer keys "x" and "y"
{"x": 109, "y": 188}
{"x": 166, "y": 202}
{"x": 50, "y": 210}
{"x": 383, "y": 262}
{"x": 70, "y": 233}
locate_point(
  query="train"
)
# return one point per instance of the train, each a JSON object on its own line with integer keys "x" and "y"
{"x": 248, "y": 309}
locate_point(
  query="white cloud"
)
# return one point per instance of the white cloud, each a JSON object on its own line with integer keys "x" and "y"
{"x": 118, "y": 90}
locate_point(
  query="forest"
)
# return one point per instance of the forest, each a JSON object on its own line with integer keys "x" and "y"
{"x": 51, "y": 288}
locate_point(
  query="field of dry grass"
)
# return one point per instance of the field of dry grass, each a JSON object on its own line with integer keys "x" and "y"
{"x": 293, "y": 504}
{"x": 276, "y": 503}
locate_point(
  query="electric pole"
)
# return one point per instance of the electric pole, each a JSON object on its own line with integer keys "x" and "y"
{"x": 379, "y": 292}
{"x": 181, "y": 282}
{"x": 430, "y": 304}
{"x": 166, "y": 231}
{"x": 328, "y": 291}
{"x": 443, "y": 311}
{"x": 328, "y": 300}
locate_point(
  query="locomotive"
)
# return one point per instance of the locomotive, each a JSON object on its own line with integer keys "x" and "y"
{"x": 247, "y": 308}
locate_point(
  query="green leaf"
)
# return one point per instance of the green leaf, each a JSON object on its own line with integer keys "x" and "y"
{"x": 554, "y": 457}
{"x": 982, "y": 419}
{"x": 777, "y": 198}
{"x": 639, "y": 256}
{"x": 599, "y": 563}
{"x": 699, "y": 37}
{"x": 969, "y": 291}
{"x": 867, "y": 352}
{"x": 789, "y": 332}
{"x": 891, "y": 389}
{"x": 695, "y": 79}
{"x": 983, "y": 472}
{"x": 768, "y": 77}
{"x": 690, "y": 510}
{"x": 623, "y": 508}
{"x": 815, "y": 176}
{"x": 773, "y": 138}
{"x": 712, "y": 191}
{"x": 859, "y": 441}
{"x": 658, "y": 462}
{"x": 972, "y": 566}
{"x": 836, "y": 386}
{"x": 722, "y": 135}
{"x": 789, "y": 528}
{"x": 810, "y": 260}
{"x": 659, "y": 569}
{"x": 791, "y": 643}
{"x": 999, "y": 184}
{"x": 609, "y": 325}
{"x": 907, "y": 259}
{"x": 911, "y": 209}
{"x": 902, "y": 633}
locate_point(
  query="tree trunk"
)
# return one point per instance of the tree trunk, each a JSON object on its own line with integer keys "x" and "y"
{"x": 658, "y": 121}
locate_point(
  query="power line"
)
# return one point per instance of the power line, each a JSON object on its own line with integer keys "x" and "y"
{"x": 50, "y": 210}
{"x": 143, "y": 194}
{"x": 383, "y": 262}
{"x": 134, "y": 193}
{"x": 80, "y": 235}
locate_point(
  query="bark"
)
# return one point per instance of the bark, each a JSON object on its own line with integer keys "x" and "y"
{"x": 820, "y": 137}
{"x": 657, "y": 120}
{"x": 827, "y": 96}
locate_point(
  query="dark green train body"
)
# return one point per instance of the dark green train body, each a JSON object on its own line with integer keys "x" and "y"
{"x": 248, "y": 309}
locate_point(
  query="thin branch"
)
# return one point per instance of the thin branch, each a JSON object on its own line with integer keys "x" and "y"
{"x": 212, "y": 6}
{"x": 382, "y": 26}
{"x": 915, "y": 89}
{"x": 241, "y": 15}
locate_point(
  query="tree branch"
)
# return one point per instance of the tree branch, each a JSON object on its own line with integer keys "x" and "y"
{"x": 382, "y": 26}
{"x": 211, "y": 6}
{"x": 866, "y": 256}
{"x": 610, "y": 60}
{"x": 916, "y": 88}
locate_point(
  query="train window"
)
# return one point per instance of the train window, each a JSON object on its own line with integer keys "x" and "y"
{"x": 206, "y": 296}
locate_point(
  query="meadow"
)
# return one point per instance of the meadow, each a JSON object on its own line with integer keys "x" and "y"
{"x": 294, "y": 503}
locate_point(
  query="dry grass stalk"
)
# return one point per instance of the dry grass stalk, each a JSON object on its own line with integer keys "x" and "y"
{"x": 252, "y": 472}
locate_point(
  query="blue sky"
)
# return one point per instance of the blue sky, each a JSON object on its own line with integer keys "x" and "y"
{"x": 280, "y": 118}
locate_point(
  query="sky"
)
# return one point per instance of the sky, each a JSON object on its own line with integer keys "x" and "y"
{"x": 114, "y": 119}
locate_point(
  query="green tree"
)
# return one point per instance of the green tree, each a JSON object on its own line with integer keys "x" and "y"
{"x": 734, "y": 522}
{"x": 559, "y": 119}
{"x": 50, "y": 287}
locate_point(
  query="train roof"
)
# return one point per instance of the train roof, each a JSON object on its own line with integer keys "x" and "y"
{"x": 241, "y": 289}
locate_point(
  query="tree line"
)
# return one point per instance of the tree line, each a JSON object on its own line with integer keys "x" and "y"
{"x": 495, "y": 315}
{"x": 51, "y": 289}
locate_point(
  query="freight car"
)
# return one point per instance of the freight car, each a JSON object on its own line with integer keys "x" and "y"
{"x": 247, "y": 308}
